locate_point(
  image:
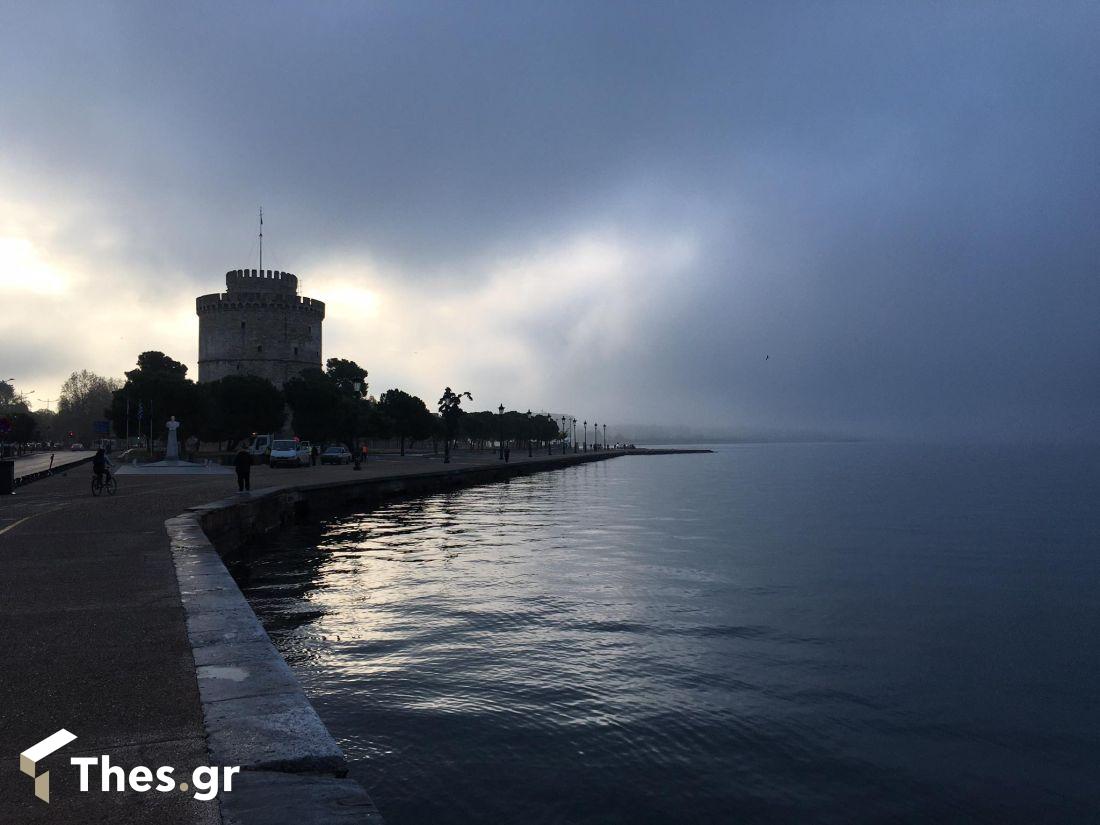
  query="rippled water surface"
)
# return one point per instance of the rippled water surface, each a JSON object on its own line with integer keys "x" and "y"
{"x": 805, "y": 633}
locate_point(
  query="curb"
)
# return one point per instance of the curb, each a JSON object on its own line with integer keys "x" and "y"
{"x": 255, "y": 713}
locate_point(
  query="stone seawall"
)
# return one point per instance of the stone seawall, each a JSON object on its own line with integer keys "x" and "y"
{"x": 233, "y": 521}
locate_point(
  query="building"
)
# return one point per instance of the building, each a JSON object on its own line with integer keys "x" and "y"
{"x": 260, "y": 326}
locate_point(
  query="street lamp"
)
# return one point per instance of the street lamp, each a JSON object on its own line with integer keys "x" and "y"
{"x": 357, "y": 458}
{"x": 586, "y": 436}
{"x": 562, "y": 431}
{"x": 605, "y": 436}
{"x": 530, "y": 453}
{"x": 595, "y": 436}
{"x": 574, "y": 434}
{"x": 500, "y": 412}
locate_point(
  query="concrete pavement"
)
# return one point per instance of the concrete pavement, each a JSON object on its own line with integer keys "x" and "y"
{"x": 37, "y": 462}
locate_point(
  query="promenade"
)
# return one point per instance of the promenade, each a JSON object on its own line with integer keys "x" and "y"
{"x": 41, "y": 461}
{"x": 93, "y": 637}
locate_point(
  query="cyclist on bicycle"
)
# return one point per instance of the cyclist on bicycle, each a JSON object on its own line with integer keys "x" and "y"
{"x": 101, "y": 464}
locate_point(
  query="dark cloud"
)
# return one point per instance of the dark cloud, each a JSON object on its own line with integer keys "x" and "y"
{"x": 896, "y": 202}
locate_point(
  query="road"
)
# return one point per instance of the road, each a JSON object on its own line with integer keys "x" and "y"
{"x": 37, "y": 462}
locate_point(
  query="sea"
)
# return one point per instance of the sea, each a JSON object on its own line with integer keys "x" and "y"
{"x": 810, "y": 633}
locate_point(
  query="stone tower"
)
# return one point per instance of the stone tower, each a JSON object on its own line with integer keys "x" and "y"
{"x": 258, "y": 326}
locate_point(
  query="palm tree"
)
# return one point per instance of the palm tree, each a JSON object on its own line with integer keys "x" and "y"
{"x": 450, "y": 410}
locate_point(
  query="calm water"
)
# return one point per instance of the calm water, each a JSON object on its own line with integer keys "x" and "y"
{"x": 799, "y": 633}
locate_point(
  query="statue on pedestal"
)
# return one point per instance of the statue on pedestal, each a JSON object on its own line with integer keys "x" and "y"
{"x": 173, "y": 451}
{"x": 172, "y": 464}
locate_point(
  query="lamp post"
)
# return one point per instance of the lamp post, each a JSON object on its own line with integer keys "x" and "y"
{"x": 530, "y": 448}
{"x": 500, "y": 411}
{"x": 595, "y": 436}
{"x": 586, "y": 436}
{"x": 574, "y": 435}
{"x": 562, "y": 431}
{"x": 357, "y": 458}
{"x": 605, "y": 436}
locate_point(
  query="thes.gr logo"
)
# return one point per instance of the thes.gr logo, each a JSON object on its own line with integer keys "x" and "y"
{"x": 29, "y": 759}
{"x": 205, "y": 785}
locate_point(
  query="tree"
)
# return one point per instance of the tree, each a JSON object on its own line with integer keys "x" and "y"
{"x": 450, "y": 410}
{"x": 350, "y": 378}
{"x": 318, "y": 405}
{"x": 424, "y": 425}
{"x": 332, "y": 404}
{"x": 153, "y": 362}
{"x": 46, "y": 421}
{"x": 486, "y": 426}
{"x": 407, "y": 415}
{"x": 14, "y": 408}
{"x": 479, "y": 427}
{"x": 24, "y": 427}
{"x": 159, "y": 388}
{"x": 236, "y": 406}
{"x": 543, "y": 428}
{"x": 11, "y": 401}
{"x": 85, "y": 397}
{"x": 516, "y": 426}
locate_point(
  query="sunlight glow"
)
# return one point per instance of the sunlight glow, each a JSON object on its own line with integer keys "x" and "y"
{"x": 24, "y": 268}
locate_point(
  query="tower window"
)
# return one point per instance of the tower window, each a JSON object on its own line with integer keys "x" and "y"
{"x": 260, "y": 348}
{"x": 295, "y": 350}
{"x": 242, "y": 324}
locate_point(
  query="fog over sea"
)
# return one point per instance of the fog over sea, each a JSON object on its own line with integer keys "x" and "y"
{"x": 842, "y": 632}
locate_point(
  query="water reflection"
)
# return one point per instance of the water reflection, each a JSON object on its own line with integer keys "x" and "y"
{"x": 810, "y": 632}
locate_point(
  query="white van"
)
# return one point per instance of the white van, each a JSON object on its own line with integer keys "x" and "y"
{"x": 260, "y": 444}
{"x": 286, "y": 452}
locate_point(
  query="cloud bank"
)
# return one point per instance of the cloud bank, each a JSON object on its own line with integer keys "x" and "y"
{"x": 871, "y": 219}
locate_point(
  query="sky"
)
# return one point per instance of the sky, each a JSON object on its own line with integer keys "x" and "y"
{"x": 862, "y": 219}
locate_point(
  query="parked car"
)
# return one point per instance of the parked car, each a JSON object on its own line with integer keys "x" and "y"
{"x": 77, "y": 446}
{"x": 286, "y": 452}
{"x": 336, "y": 454}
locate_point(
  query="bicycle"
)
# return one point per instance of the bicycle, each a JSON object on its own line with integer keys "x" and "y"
{"x": 107, "y": 483}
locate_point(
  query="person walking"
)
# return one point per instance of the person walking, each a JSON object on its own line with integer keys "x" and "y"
{"x": 313, "y": 456}
{"x": 242, "y": 463}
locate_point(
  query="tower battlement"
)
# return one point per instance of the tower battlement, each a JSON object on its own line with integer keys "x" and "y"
{"x": 237, "y": 301}
{"x": 260, "y": 280}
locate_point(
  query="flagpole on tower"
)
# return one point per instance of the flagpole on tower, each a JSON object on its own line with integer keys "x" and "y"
{"x": 261, "y": 239}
